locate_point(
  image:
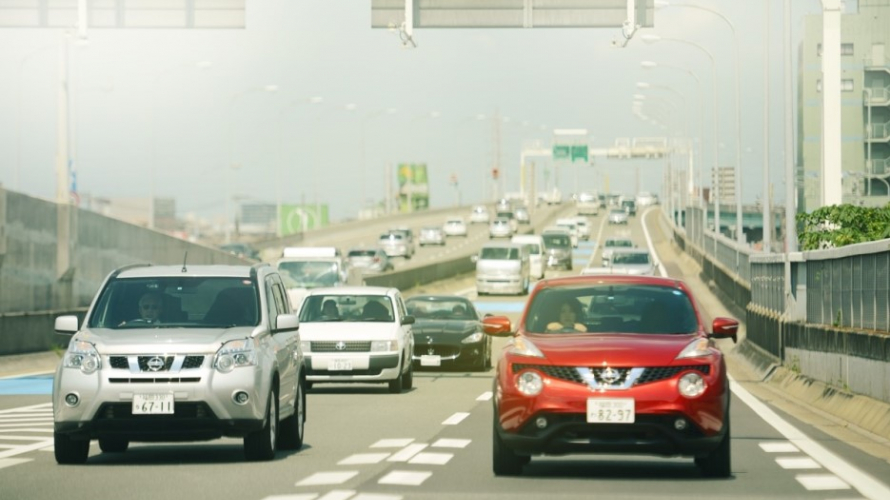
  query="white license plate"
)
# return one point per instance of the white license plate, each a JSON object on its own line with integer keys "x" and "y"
{"x": 610, "y": 411}
{"x": 430, "y": 360}
{"x": 152, "y": 404}
{"x": 340, "y": 365}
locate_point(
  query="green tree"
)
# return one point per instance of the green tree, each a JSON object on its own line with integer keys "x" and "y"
{"x": 840, "y": 225}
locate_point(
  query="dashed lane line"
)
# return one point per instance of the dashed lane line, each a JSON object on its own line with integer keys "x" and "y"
{"x": 451, "y": 443}
{"x": 328, "y": 478}
{"x": 405, "y": 478}
{"x": 393, "y": 443}
{"x": 485, "y": 396}
{"x": 822, "y": 482}
{"x": 784, "y": 447}
{"x": 364, "y": 459}
{"x": 456, "y": 418}
{"x": 431, "y": 458}
{"x": 407, "y": 453}
{"x": 797, "y": 463}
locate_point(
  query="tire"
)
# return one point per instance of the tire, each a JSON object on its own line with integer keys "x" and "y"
{"x": 408, "y": 378}
{"x": 260, "y": 445}
{"x": 113, "y": 445}
{"x": 398, "y": 385}
{"x": 70, "y": 451}
{"x": 294, "y": 426}
{"x": 718, "y": 463}
{"x": 504, "y": 462}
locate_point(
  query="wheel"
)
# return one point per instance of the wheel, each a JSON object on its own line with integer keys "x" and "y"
{"x": 504, "y": 462}
{"x": 70, "y": 451}
{"x": 260, "y": 445}
{"x": 113, "y": 445}
{"x": 395, "y": 386}
{"x": 718, "y": 463}
{"x": 292, "y": 428}
{"x": 408, "y": 378}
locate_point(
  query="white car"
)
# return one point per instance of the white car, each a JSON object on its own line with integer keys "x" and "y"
{"x": 535, "y": 244}
{"x": 431, "y": 236}
{"x": 455, "y": 226}
{"x": 357, "y": 334}
{"x": 500, "y": 228}
{"x": 583, "y": 227}
{"x": 633, "y": 261}
{"x": 617, "y": 216}
{"x": 572, "y": 227}
{"x": 645, "y": 199}
{"x": 502, "y": 268}
{"x": 611, "y": 244}
{"x": 479, "y": 215}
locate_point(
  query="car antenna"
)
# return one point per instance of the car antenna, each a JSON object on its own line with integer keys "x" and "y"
{"x": 185, "y": 258}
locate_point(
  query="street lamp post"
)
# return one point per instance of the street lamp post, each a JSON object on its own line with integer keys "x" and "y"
{"x": 279, "y": 232}
{"x": 740, "y": 237}
{"x": 364, "y": 124}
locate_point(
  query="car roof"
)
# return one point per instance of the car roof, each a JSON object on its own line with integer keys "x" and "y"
{"x": 526, "y": 238}
{"x": 600, "y": 279}
{"x": 503, "y": 244}
{"x": 629, "y": 250}
{"x": 437, "y": 298}
{"x": 354, "y": 290}
{"x": 191, "y": 271}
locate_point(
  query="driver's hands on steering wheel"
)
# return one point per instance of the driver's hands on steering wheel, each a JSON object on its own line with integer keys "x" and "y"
{"x": 556, "y": 326}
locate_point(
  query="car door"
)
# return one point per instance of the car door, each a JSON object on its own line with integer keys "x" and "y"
{"x": 406, "y": 332}
{"x": 287, "y": 343}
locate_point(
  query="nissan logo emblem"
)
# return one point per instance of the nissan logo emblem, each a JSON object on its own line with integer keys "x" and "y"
{"x": 155, "y": 364}
{"x": 609, "y": 375}
{"x": 340, "y": 346}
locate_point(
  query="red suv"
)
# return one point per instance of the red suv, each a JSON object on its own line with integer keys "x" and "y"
{"x": 615, "y": 365}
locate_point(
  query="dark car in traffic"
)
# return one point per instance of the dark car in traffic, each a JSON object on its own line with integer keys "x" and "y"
{"x": 448, "y": 331}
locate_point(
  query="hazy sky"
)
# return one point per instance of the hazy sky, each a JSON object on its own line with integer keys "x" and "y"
{"x": 147, "y": 114}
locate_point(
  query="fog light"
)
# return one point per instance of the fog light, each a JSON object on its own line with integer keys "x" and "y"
{"x": 71, "y": 399}
{"x": 680, "y": 424}
{"x": 241, "y": 398}
{"x": 541, "y": 422}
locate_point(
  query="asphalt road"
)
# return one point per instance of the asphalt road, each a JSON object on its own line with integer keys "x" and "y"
{"x": 433, "y": 442}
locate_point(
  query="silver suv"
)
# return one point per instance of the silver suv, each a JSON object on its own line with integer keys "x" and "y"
{"x": 182, "y": 353}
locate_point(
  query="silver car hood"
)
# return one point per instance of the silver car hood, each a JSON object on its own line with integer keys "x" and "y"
{"x": 162, "y": 340}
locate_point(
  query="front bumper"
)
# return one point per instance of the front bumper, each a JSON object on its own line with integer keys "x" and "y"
{"x": 448, "y": 354}
{"x": 497, "y": 284}
{"x": 367, "y": 367}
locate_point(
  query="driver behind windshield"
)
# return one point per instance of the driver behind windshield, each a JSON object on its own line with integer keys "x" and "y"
{"x": 569, "y": 312}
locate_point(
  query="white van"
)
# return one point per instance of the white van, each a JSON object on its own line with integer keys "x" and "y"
{"x": 570, "y": 226}
{"x": 305, "y": 268}
{"x": 535, "y": 244}
{"x": 502, "y": 268}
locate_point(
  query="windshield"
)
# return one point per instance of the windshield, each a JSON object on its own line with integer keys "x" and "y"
{"x": 557, "y": 241}
{"x": 441, "y": 309}
{"x": 499, "y": 253}
{"x": 347, "y": 308}
{"x": 619, "y": 243}
{"x": 176, "y": 302}
{"x": 630, "y": 258}
{"x": 312, "y": 274}
{"x": 613, "y": 309}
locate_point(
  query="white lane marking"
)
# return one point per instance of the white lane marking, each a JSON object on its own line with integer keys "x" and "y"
{"x": 21, "y": 438}
{"x": 325, "y": 478}
{"x": 27, "y": 375}
{"x": 456, "y": 418}
{"x": 866, "y": 485}
{"x": 337, "y": 495}
{"x": 305, "y": 496}
{"x": 376, "y": 496}
{"x": 7, "y": 446}
{"x": 485, "y": 396}
{"x": 431, "y": 458}
{"x": 405, "y": 478}
{"x": 392, "y": 443}
{"x": 783, "y": 447}
{"x": 9, "y": 462}
{"x": 26, "y": 417}
{"x": 364, "y": 458}
{"x": 797, "y": 463}
{"x": 30, "y": 429}
{"x": 25, "y": 449}
{"x": 822, "y": 482}
{"x": 25, "y": 409}
{"x": 407, "y": 453}
{"x": 19, "y": 425}
{"x": 451, "y": 443}
{"x": 652, "y": 252}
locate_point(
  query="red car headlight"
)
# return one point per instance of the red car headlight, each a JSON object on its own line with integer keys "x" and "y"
{"x": 529, "y": 383}
{"x": 692, "y": 385}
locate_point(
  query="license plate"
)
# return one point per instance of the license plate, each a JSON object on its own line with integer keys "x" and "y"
{"x": 610, "y": 411}
{"x": 430, "y": 360}
{"x": 340, "y": 365}
{"x": 152, "y": 404}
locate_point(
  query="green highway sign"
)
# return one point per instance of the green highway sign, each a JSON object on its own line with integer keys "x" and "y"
{"x": 570, "y": 152}
{"x": 579, "y": 153}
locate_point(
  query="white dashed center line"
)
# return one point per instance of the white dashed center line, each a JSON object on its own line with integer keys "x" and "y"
{"x": 364, "y": 458}
{"x": 324, "y": 478}
{"x": 407, "y": 453}
{"x": 456, "y": 418}
{"x": 486, "y": 396}
{"x": 405, "y": 478}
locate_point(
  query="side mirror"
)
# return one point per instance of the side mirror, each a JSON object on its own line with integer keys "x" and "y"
{"x": 408, "y": 320}
{"x": 66, "y": 325}
{"x": 497, "y": 326}
{"x": 725, "y": 328}
{"x": 287, "y": 323}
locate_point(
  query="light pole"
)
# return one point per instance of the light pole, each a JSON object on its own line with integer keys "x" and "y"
{"x": 200, "y": 65}
{"x": 740, "y": 237}
{"x": 672, "y": 111}
{"x": 364, "y": 177}
{"x": 715, "y": 146}
{"x": 270, "y": 88}
{"x": 279, "y": 232}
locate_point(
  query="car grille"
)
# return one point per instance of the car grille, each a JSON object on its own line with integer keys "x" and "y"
{"x": 445, "y": 351}
{"x": 121, "y": 362}
{"x": 334, "y": 346}
{"x": 650, "y": 374}
{"x": 155, "y": 380}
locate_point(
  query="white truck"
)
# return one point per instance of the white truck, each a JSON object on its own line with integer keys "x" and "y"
{"x": 305, "y": 268}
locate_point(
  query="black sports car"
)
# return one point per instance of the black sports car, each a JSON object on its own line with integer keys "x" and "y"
{"x": 448, "y": 332}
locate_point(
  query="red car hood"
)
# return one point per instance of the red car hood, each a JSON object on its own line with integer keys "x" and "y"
{"x": 626, "y": 349}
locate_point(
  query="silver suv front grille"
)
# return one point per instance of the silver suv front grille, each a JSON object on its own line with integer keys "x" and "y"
{"x": 156, "y": 363}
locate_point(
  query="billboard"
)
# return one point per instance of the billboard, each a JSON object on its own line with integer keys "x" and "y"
{"x": 414, "y": 187}
{"x": 300, "y": 218}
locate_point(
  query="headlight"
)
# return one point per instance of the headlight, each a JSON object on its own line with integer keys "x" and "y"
{"x": 692, "y": 385}
{"x": 234, "y": 354}
{"x": 384, "y": 345}
{"x": 472, "y": 339}
{"x": 305, "y": 346}
{"x": 529, "y": 383}
{"x": 82, "y": 356}
{"x": 524, "y": 347}
{"x": 697, "y": 348}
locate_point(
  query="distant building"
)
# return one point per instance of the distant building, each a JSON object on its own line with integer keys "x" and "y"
{"x": 257, "y": 218}
{"x": 724, "y": 177}
{"x": 138, "y": 211}
{"x": 865, "y": 106}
